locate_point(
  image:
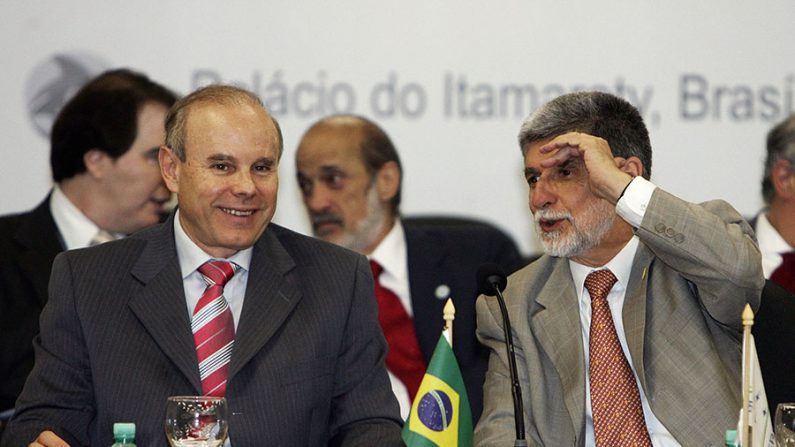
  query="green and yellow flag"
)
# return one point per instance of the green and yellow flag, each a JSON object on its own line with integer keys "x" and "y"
{"x": 440, "y": 415}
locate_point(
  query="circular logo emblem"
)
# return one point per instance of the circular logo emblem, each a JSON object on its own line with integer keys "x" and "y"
{"x": 53, "y": 82}
{"x": 435, "y": 410}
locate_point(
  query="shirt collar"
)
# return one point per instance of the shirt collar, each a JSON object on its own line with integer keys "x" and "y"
{"x": 620, "y": 265}
{"x": 770, "y": 240}
{"x": 391, "y": 252}
{"x": 191, "y": 256}
{"x": 77, "y": 229}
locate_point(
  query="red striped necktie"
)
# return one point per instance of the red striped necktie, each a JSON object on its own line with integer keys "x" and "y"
{"x": 214, "y": 328}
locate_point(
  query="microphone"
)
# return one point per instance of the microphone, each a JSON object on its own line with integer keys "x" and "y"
{"x": 491, "y": 282}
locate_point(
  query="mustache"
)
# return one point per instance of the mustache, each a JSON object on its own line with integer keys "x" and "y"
{"x": 324, "y": 218}
{"x": 552, "y": 215}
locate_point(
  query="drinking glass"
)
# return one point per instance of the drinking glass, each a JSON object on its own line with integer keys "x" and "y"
{"x": 196, "y": 421}
{"x": 785, "y": 425}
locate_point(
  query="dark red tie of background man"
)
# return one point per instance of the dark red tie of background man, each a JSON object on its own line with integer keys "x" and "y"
{"x": 784, "y": 275}
{"x": 404, "y": 359}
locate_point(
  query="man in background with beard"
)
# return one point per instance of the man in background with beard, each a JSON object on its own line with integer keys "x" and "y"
{"x": 628, "y": 330}
{"x": 350, "y": 176}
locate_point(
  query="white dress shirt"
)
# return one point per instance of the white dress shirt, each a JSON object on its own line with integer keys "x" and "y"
{"x": 391, "y": 253}
{"x": 76, "y": 229}
{"x": 771, "y": 244}
{"x": 191, "y": 257}
{"x": 631, "y": 207}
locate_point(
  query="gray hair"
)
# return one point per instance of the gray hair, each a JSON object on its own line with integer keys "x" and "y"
{"x": 780, "y": 146}
{"x": 223, "y": 95}
{"x": 596, "y": 113}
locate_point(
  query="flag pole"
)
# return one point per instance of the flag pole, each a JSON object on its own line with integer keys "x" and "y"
{"x": 748, "y": 321}
{"x": 449, "y": 316}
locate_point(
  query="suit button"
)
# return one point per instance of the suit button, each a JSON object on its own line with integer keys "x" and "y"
{"x": 679, "y": 238}
{"x": 670, "y": 232}
{"x": 660, "y": 227}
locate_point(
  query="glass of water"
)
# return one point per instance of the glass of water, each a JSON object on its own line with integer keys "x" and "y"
{"x": 785, "y": 425}
{"x": 197, "y": 421}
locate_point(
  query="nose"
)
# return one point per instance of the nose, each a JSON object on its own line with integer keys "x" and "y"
{"x": 244, "y": 184}
{"x": 542, "y": 195}
{"x": 317, "y": 199}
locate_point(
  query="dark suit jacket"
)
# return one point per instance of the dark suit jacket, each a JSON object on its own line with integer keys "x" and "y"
{"x": 28, "y": 244}
{"x": 774, "y": 335}
{"x": 307, "y": 366}
{"x": 449, "y": 251}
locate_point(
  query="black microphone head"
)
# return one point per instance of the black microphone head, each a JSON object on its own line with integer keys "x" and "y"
{"x": 490, "y": 277}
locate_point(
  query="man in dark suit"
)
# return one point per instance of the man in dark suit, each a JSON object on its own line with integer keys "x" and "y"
{"x": 774, "y": 324}
{"x": 628, "y": 330}
{"x": 775, "y": 225}
{"x": 215, "y": 301}
{"x": 350, "y": 175}
{"x": 103, "y": 155}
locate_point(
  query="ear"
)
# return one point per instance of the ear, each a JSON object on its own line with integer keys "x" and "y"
{"x": 96, "y": 162}
{"x": 387, "y": 181}
{"x": 169, "y": 168}
{"x": 632, "y": 166}
{"x": 783, "y": 179}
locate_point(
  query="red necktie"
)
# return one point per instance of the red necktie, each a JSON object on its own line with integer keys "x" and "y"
{"x": 404, "y": 358}
{"x": 213, "y": 328}
{"x": 615, "y": 400}
{"x": 784, "y": 275}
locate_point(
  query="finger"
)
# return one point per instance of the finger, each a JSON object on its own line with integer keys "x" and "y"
{"x": 49, "y": 439}
{"x": 557, "y": 144}
{"x": 561, "y": 156}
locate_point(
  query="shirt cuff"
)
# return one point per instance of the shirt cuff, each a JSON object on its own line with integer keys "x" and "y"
{"x": 632, "y": 205}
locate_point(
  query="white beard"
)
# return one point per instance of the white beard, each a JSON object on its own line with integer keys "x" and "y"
{"x": 365, "y": 232}
{"x": 584, "y": 234}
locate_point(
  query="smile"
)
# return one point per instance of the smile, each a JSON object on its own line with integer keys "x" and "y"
{"x": 237, "y": 213}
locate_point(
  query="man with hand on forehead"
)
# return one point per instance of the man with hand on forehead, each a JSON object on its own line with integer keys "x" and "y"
{"x": 628, "y": 330}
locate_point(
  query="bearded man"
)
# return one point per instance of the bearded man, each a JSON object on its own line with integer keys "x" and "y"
{"x": 350, "y": 176}
{"x": 628, "y": 330}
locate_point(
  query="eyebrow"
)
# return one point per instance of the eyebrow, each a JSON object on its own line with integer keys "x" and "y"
{"x": 331, "y": 169}
{"x": 270, "y": 161}
{"x": 220, "y": 157}
{"x": 567, "y": 164}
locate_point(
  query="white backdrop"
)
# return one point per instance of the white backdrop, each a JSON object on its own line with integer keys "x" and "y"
{"x": 449, "y": 80}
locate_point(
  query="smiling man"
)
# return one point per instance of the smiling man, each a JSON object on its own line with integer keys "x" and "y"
{"x": 103, "y": 154}
{"x": 216, "y": 301}
{"x": 628, "y": 330}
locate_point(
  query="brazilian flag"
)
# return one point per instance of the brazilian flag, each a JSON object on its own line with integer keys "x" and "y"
{"x": 440, "y": 415}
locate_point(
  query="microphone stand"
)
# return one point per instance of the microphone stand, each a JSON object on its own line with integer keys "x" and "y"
{"x": 516, "y": 390}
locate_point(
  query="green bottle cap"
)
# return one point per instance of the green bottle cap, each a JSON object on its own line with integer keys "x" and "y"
{"x": 731, "y": 438}
{"x": 124, "y": 431}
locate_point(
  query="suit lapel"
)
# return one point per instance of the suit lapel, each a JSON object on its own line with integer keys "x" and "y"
{"x": 634, "y": 312}
{"x": 40, "y": 239}
{"x": 160, "y": 304}
{"x": 557, "y": 328}
{"x": 423, "y": 269}
{"x": 271, "y": 294}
